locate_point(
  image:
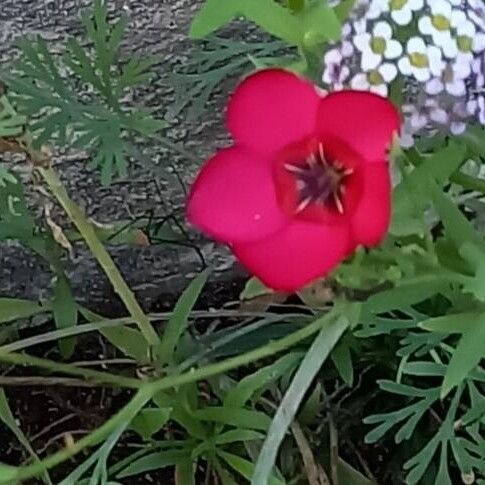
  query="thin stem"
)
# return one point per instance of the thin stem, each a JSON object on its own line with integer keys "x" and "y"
{"x": 99, "y": 324}
{"x": 147, "y": 390}
{"x": 101, "y": 377}
{"x": 125, "y": 415}
{"x": 100, "y": 253}
{"x": 267, "y": 350}
{"x": 469, "y": 182}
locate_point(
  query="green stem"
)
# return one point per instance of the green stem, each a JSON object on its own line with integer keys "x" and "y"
{"x": 101, "y": 377}
{"x": 468, "y": 182}
{"x": 147, "y": 390}
{"x": 125, "y": 415}
{"x": 101, "y": 254}
{"x": 267, "y": 350}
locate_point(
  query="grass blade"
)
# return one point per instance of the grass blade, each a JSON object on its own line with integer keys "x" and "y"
{"x": 311, "y": 364}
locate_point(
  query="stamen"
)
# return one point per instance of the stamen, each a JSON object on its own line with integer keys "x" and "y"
{"x": 348, "y": 171}
{"x": 338, "y": 202}
{"x": 312, "y": 160}
{"x": 303, "y": 204}
{"x": 294, "y": 168}
{"x": 342, "y": 189}
{"x": 301, "y": 185}
{"x": 322, "y": 154}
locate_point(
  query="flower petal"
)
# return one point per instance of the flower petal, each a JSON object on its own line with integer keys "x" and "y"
{"x": 371, "y": 218}
{"x": 363, "y": 120}
{"x": 295, "y": 256}
{"x": 393, "y": 49}
{"x": 233, "y": 198}
{"x": 271, "y": 109}
{"x": 382, "y": 29}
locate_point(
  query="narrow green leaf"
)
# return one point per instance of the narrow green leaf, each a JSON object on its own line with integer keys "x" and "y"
{"x": 342, "y": 360}
{"x": 407, "y": 292}
{"x": 8, "y": 474}
{"x": 177, "y": 323}
{"x": 311, "y": 364}
{"x": 184, "y": 473}
{"x": 348, "y": 475}
{"x": 457, "y": 228}
{"x": 239, "y": 417}
{"x": 245, "y": 468}
{"x": 129, "y": 340}
{"x": 14, "y": 308}
{"x": 65, "y": 313}
{"x": 212, "y": 15}
{"x": 456, "y": 323}
{"x": 253, "y": 289}
{"x": 239, "y": 395}
{"x": 154, "y": 461}
{"x": 467, "y": 355}
{"x": 149, "y": 421}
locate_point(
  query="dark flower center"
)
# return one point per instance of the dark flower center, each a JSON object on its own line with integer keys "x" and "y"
{"x": 319, "y": 181}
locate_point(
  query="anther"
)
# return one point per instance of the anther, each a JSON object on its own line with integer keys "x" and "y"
{"x": 303, "y": 204}
{"x": 338, "y": 202}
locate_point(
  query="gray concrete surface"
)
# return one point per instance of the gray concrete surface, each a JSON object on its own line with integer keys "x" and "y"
{"x": 159, "y": 28}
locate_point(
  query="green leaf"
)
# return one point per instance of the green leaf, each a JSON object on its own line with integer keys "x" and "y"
{"x": 455, "y": 323}
{"x": 178, "y": 321}
{"x": 411, "y": 196}
{"x": 154, "y": 461}
{"x": 184, "y": 473}
{"x": 16, "y": 221}
{"x": 235, "y": 435}
{"x": 309, "y": 367}
{"x": 150, "y": 420}
{"x": 343, "y": 9}
{"x": 212, "y": 15}
{"x": 234, "y": 416}
{"x": 310, "y": 411}
{"x": 15, "y": 308}
{"x": 11, "y": 123}
{"x": 457, "y": 228}
{"x": 253, "y": 289}
{"x": 245, "y": 468}
{"x": 248, "y": 386}
{"x": 342, "y": 360}
{"x": 271, "y": 17}
{"x": 129, "y": 340}
{"x": 467, "y": 355}
{"x": 407, "y": 292}
{"x": 348, "y": 475}
{"x": 319, "y": 24}
{"x": 8, "y": 474}
{"x": 65, "y": 312}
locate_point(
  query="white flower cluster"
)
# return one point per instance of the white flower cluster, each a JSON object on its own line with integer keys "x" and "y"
{"x": 432, "y": 50}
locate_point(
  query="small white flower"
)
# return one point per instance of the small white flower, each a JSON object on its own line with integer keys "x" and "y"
{"x": 421, "y": 61}
{"x": 469, "y": 40}
{"x": 376, "y": 46}
{"x": 457, "y": 127}
{"x": 452, "y": 78}
{"x": 401, "y": 10}
{"x": 476, "y": 12}
{"x": 346, "y": 46}
{"x": 375, "y": 80}
{"x": 335, "y": 72}
{"x": 481, "y": 109}
{"x": 438, "y": 26}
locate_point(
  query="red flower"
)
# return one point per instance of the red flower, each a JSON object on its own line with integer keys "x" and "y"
{"x": 305, "y": 182}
